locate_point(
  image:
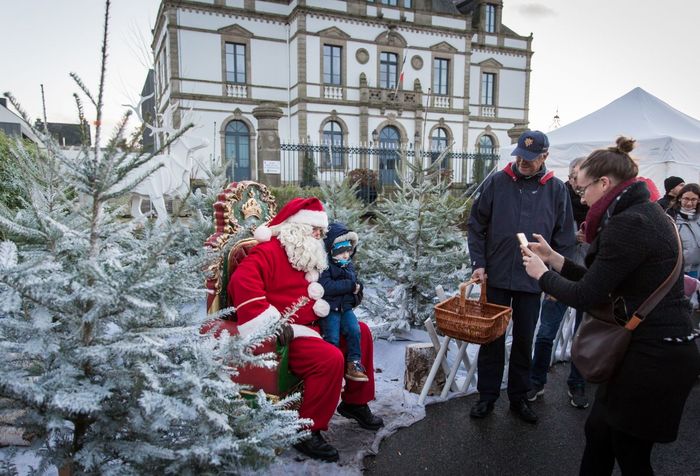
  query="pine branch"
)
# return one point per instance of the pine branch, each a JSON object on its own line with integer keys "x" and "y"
{"x": 84, "y": 139}
{"x": 83, "y": 87}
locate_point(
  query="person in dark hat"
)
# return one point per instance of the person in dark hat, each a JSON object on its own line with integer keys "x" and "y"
{"x": 526, "y": 198}
{"x": 343, "y": 292}
{"x": 672, "y": 185}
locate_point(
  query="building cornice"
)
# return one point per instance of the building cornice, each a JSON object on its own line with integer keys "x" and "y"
{"x": 224, "y": 10}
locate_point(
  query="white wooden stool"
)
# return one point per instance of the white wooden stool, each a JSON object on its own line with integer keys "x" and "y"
{"x": 462, "y": 357}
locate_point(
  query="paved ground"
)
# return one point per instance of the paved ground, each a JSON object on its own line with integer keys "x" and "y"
{"x": 447, "y": 441}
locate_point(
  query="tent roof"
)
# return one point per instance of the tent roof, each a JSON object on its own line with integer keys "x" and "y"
{"x": 637, "y": 114}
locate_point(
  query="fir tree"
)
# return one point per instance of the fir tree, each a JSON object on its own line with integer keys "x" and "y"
{"x": 417, "y": 245}
{"x": 341, "y": 204}
{"x": 11, "y": 193}
{"x": 308, "y": 169}
{"x": 99, "y": 336}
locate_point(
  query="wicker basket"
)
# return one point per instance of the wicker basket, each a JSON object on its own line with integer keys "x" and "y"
{"x": 472, "y": 321}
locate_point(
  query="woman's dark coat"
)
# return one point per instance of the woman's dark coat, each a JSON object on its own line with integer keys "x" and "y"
{"x": 632, "y": 255}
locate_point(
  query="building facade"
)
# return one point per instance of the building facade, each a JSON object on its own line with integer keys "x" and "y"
{"x": 416, "y": 75}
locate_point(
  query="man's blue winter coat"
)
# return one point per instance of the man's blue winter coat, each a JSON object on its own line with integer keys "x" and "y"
{"x": 339, "y": 281}
{"x": 509, "y": 204}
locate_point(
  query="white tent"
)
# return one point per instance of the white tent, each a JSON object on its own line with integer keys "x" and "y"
{"x": 668, "y": 141}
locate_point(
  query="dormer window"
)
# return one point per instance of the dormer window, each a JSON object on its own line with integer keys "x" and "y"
{"x": 490, "y": 18}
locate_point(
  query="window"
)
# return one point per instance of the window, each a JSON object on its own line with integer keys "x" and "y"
{"x": 235, "y": 63}
{"x": 388, "y": 69}
{"x": 162, "y": 68}
{"x": 394, "y": 3}
{"x": 389, "y": 142}
{"x": 438, "y": 143}
{"x": 490, "y": 18}
{"x": 441, "y": 74}
{"x": 486, "y": 145}
{"x": 488, "y": 83}
{"x": 333, "y": 136}
{"x": 486, "y": 158}
{"x": 237, "y": 143}
{"x": 332, "y": 64}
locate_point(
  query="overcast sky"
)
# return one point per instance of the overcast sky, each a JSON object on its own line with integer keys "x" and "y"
{"x": 586, "y": 53}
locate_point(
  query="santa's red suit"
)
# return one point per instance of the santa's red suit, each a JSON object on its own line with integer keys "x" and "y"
{"x": 264, "y": 284}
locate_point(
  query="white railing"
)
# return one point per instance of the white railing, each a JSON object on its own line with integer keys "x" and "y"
{"x": 236, "y": 90}
{"x": 441, "y": 101}
{"x": 488, "y": 111}
{"x": 332, "y": 92}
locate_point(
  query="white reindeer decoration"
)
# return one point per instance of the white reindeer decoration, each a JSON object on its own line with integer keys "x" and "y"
{"x": 173, "y": 178}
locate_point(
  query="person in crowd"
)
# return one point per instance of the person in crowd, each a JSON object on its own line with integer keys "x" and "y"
{"x": 553, "y": 312}
{"x": 282, "y": 268}
{"x": 686, "y": 211}
{"x": 672, "y": 185}
{"x": 524, "y": 197}
{"x": 633, "y": 249}
{"x": 342, "y": 290}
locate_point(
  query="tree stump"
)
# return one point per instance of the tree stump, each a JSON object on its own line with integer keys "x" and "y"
{"x": 419, "y": 360}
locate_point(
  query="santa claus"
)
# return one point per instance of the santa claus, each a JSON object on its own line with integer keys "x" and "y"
{"x": 284, "y": 266}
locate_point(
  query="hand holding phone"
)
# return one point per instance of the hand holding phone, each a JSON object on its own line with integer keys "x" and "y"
{"x": 522, "y": 239}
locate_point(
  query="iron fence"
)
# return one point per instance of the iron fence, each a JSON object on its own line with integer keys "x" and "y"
{"x": 310, "y": 164}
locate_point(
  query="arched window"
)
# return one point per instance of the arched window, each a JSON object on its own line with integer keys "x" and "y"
{"x": 237, "y": 140}
{"x": 389, "y": 142}
{"x": 333, "y": 141}
{"x": 486, "y": 146}
{"x": 438, "y": 143}
{"x": 485, "y": 159}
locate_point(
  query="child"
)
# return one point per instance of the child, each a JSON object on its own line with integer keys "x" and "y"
{"x": 343, "y": 292}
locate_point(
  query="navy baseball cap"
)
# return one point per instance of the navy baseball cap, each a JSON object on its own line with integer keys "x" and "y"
{"x": 531, "y": 144}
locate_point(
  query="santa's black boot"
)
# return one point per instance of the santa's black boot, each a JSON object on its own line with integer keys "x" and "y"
{"x": 362, "y": 414}
{"x": 316, "y": 447}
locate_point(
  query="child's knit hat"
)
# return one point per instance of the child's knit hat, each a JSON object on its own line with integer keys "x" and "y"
{"x": 340, "y": 247}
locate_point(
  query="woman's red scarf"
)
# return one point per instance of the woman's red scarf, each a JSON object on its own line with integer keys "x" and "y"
{"x": 597, "y": 211}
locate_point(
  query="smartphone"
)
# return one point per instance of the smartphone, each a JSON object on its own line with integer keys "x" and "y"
{"x": 522, "y": 239}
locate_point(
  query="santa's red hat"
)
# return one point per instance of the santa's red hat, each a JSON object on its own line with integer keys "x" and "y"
{"x": 308, "y": 211}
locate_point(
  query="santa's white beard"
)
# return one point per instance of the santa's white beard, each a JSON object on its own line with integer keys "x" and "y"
{"x": 305, "y": 253}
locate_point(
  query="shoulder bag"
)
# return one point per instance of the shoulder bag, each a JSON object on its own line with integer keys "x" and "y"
{"x": 601, "y": 341}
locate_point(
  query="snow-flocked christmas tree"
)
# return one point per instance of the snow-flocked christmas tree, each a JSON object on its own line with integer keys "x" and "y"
{"x": 341, "y": 204}
{"x": 416, "y": 245}
{"x": 99, "y": 336}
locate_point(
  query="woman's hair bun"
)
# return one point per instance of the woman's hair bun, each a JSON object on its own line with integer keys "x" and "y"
{"x": 625, "y": 144}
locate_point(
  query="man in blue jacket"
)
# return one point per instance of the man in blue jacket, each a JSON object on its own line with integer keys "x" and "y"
{"x": 523, "y": 197}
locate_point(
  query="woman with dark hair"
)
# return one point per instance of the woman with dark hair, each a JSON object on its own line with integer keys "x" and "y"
{"x": 687, "y": 212}
{"x": 633, "y": 250}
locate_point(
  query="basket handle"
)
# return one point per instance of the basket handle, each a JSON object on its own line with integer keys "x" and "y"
{"x": 482, "y": 296}
{"x": 465, "y": 290}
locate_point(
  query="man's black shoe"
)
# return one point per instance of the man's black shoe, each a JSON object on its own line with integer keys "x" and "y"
{"x": 362, "y": 414}
{"x": 481, "y": 409}
{"x": 523, "y": 410}
{"x": 316, "y": 447}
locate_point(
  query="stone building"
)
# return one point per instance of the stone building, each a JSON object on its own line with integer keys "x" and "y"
{"x": 358, "y": 75}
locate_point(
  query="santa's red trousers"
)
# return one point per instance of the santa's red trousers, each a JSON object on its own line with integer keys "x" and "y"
{"x": 322, "y": 366}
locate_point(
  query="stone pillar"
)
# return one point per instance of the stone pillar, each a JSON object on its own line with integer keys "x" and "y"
{"x": 515, "y": 131}
{"x": 269, "y": 163}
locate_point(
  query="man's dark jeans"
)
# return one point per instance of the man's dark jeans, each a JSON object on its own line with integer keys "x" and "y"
{"x": 526, "y": 308}
{"x": 550, "y": 320}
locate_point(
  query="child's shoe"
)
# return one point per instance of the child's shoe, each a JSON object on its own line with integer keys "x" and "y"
{"x": 355, "y": 371}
